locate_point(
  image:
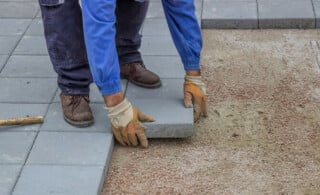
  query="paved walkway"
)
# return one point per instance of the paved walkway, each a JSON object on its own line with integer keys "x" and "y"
{"x": 56, "y": 158}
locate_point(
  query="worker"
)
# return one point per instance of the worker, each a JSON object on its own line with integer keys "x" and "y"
{"x": 63, "y": 29}
{"x": 100, "y": 31}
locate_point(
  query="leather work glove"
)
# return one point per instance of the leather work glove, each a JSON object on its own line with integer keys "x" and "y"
{"x": 126, "y": 124}
{"x": 195, "y": 95}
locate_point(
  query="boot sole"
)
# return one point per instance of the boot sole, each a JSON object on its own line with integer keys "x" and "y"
{"x": 149, "y": 86}
{"x": 79, "y": 123}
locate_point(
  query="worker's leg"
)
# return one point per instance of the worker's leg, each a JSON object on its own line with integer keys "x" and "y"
{"x": 130, "y": 17}
{"x": 185, "y": 31}
{"x": 64, "y": 37}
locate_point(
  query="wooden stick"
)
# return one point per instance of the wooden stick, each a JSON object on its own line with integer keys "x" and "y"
{"x": 21, "y": 121}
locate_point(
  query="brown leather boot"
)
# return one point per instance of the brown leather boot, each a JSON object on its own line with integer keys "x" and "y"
{"x": 138, "y": 74}
{"x": 76, "y": 110}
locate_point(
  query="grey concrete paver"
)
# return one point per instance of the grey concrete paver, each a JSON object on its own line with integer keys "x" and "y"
{"x": 286, "y": 14}
{"x": 62, "y": 180}
{"x": 165, "y": 66}
{"x": 3, "y": 59}
{"x": 66, "y": 148}
{"x": 36, "y": 27}
{"x": 316, "y": 6}
{"x": 95, "y": 95}
{"x": 27, "y": 90}
{"x": 15, "y": 146}
{"x": 16, "y": 110}
{"x": 172, "y": 118}
{"x": 31, "y": 45}
{"x": 28, "y": 66}
{"x": 7, "y": 44}
{"x": 158, "y": 45}
{"x": 8, "y": 175}
{"x": 156, "y": 10}
{"x": 13, "y": 26}
{"x": 54, "y": 120}
{"x": 230, "y": 14}
{"x": 155, "y": 26}
{"x": 9, "y": 9}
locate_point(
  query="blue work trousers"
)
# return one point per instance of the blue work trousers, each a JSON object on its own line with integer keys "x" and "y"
{"x": 100, "y": 31}
{"x": 63, "y": 29}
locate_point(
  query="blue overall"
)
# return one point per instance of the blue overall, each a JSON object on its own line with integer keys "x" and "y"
{"x": 100, "y": 31}
{"x": 62, "y": 20}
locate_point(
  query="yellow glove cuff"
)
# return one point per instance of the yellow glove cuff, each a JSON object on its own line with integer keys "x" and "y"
{"x": 120, "y": 115}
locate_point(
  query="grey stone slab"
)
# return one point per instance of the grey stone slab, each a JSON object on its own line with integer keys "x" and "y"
{"x": 95, "y": 95}
{"x": 286, "y": 14}
{"x": 7, "y": 44}
{"x": 165, "y": 104}
{"x": 28, "y": 66}
{"x": 155, "y": 10}
{"x": 155, "y": 26}
{"x": 70, "y": 148}
{"x": 22, "y": 110}
{"x": 54, "y": 120}
{"x": 165, "y": 66}
{"x": 15, "y": 146}
{"x": 27, "y": 90}
{"x": 170, "y": 89}
{"x": 316, "y": 5}
{"x": 10, "y": 9}
{"x": 13, "y": 26}
{"x": 36, "y": 27}
{"x": 34, "y": 45}
{"x": 3, "y": 59}
{"x": 62, "y": 180}
{"x": 39, "y": 14}
{"x": 199, "y": 9}
{"x": 158, "y": 45}
{"x": 8, "y": 177}
{"x": 230, "y": 14}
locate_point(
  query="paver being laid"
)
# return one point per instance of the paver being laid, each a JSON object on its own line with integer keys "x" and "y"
{"x": 165, "y": 104}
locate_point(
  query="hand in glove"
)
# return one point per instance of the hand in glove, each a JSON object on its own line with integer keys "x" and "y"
{"x": 195, "y": 95}
{"x": 126, "y": 124}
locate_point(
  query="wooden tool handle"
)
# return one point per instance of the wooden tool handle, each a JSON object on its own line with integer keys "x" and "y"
{"x": 22, "y": 121}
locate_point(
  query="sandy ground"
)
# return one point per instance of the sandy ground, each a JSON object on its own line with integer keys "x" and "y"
{"x": 263, "y": 132}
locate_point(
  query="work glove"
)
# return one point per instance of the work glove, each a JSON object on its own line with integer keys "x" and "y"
{"x": 126, "y": 124}
{"x": 195, "y": 95}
